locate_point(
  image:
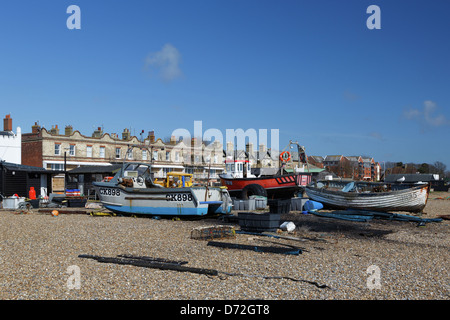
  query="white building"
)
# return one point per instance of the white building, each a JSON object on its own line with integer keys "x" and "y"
{"x": 10, "y": 142}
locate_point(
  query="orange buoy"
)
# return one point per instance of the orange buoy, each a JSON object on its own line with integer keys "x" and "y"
{"x": 285, "y": 156}
{"x": 55, "y": 213}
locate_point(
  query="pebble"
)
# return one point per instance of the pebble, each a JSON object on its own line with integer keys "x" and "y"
{"x": 37, "y": 251}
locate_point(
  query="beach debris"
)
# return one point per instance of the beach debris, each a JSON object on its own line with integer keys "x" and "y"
{"x": 147, "y": 262}
{"x": 442, "y": 198}
{"x": 226, "y": 245}
{"x": 213, "y": 232}
{"x": 312, "y": 206}
{"x": 165, "y": 264}
{"x": 279, "y": 236}
{"x": 102, "y": 214}
{"x": 93, "y": 205}
{"x": 128, "y": 256}
{"x": 61, "y": 211}
{"x": 288, "y": 226}
{"x": 364, "y": 216}
{"x": 280, "y": 243}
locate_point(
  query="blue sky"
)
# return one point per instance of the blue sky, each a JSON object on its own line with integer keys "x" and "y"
{"x": 311, "y": 69}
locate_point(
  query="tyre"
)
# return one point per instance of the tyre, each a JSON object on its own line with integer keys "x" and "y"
{"x": 253, "y": 190}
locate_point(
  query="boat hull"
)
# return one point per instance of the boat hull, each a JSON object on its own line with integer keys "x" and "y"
{"x": 411, "y": 199}
{"x": 275, "y": 186}
{"x": 164, "y": 201}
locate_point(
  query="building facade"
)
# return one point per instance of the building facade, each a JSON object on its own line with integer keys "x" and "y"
{"x": 10, "y": 142}
{"x": 353, "y": 167}
{"x": 53, "y": 150}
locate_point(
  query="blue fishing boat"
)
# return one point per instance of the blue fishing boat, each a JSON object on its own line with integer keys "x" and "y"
{"x": 133, "y": 191}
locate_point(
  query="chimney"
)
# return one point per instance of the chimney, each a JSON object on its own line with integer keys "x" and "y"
{"x": 68, "y": 130}
{"x": 97, "y": 133}
{"x": 262, "y": 148}
{"x": 7, "y": 123}
{"x": 249, "y": 147}
{"x": 151, "y": 136}
{"x": 126, "y": 134}
{"x": 54, "y": 130}
{"x": 173, "y": 140}
{"x": 230, "y": 146}
{"x": 36, "y": 128}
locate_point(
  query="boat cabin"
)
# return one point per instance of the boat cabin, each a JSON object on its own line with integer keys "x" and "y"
{"x": 176, "y": 180}
{"x": 238, "y": 169}
{"x": 139, "y": 175}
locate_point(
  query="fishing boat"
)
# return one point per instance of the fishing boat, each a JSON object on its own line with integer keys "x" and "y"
{"x": 242, "y": 181}
{"x": 133, "y": 191}
{"x": 369, "y": 195}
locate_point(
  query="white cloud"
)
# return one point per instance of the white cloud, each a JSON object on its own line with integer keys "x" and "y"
{"x": 167, "y": 61}
{"x": 436, "y": 121}
{"x": 427, "y": 116}
{"x": 376, "y": 135}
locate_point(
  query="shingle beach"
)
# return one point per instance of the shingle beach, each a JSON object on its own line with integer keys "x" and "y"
{"x": 38, "y": 253}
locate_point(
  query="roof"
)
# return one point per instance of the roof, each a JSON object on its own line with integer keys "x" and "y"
{"x": 95, "y": 169}
{"x": 20, "y": 167}
{"x": 353, "y": 158}
{"x": 333, "y": 158}
{"x": 317, "y": 158}
{"x": 412, "y": 177}
{"x": 311, "y": 168}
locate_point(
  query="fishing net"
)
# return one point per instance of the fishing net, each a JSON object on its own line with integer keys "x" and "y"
{"x": 214, "y": 232}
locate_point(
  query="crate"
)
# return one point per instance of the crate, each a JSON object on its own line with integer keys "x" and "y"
{"x": 76, "y": 203}
{"x": 260, "y": 202}
{"x": 249, "y": 204}
{"x": 34, "y": 203}
{"x": 12, "y": 203}
{"x": 259, "y": 222}
{"x": 298, "y": 203}
{"x": 280, "y": 206}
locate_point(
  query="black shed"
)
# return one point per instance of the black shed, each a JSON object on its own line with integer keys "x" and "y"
{"x": 82, "y": 177}
{"x": 18, "y": 179}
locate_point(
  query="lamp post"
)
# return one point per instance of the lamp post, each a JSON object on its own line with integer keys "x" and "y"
{"x": 65, "y": 169}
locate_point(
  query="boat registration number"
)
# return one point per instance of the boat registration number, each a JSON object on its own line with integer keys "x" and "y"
{"x": 179, "y": 197}
{"x": 109, "y": 192}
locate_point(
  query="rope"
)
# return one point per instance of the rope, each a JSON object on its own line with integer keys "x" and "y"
{"x": 321, "y": 286}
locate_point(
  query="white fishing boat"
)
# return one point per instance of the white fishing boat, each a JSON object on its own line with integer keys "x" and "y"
{"x": 369, "y": 195}
{"x": 133, "y": 191}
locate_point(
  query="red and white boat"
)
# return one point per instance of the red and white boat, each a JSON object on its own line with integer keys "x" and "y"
{"x": 241, "y": 183}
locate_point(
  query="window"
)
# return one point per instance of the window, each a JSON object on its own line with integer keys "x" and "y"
{"x": 57, "y": 166}
{"x": 129, "y": 154}
{"x": 167, "y": 156}
{"x": 177, "y": 156}
{"x": 144, "y": 154}
{"x": 118, "y": 153}
{"x": 155, "y": 155}
{"x": 57, "y": 149}
{"x": 72, "y": 150}
{"x": 89, "y": 151}
{"x": 102, "y": 152}
{"x": 166, "y": 171}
